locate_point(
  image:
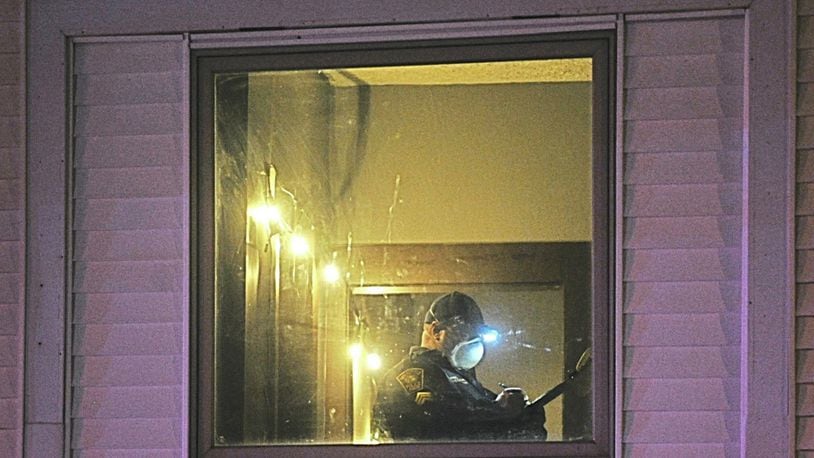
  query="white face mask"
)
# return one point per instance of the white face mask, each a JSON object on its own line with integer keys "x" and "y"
{"x": 468, "y": 354}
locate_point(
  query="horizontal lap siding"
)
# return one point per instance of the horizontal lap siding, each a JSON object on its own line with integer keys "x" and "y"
{"x": 12, "y": 227}
{"x": 682, "y": 233}
{"x": 127, "y": 249}
{"x": 805, "y": 229}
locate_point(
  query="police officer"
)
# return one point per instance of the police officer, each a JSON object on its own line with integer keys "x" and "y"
{"x": 434, "y": 394}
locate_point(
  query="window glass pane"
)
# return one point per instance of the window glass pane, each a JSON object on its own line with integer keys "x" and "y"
{"x": 348, "y": 200}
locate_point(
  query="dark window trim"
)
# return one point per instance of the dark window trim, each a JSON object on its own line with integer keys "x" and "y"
{"x": 205, "y": 63}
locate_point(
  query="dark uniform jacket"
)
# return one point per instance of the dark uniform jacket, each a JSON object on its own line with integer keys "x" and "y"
{"x": 425, "y": 398}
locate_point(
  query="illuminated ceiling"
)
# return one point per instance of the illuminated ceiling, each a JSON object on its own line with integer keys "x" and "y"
{"x": 529, "y": 71}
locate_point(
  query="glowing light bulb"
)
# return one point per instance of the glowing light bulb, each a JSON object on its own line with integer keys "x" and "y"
{"x": 299, "y": 245}
{"x": 374, "y": 361}
{"x": 331, "y": 273}
{"x": 355, "y": 351}
{"x": 266, "y": 213}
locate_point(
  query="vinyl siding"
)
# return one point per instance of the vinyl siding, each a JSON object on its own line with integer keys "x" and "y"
{"x": 804, "y": 241}
{"x": 683, "y": 131}
{"x": 12, "y": 226}
{"x": 127, "y": 365}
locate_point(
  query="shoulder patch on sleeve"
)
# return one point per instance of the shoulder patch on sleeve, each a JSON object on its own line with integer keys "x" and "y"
{"x": 422, "y": 396}
{"x": 411, "y": 379}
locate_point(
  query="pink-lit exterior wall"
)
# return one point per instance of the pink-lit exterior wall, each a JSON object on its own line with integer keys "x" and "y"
{"x": 685, "y": 274}
{"x": 805, "y": 229}
{"x": 12, "y": 227}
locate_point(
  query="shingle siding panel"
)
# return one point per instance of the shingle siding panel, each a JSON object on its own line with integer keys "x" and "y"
{"x": 805, "y": 399}
{"x": 668, "y": 136}
{"x": 128, "y": 248}
{"x": 141, "y": 245}
{"x": 126, "y": 402}
{"x": 128, "y": 214}
{"x": 124, "y": 183}
{"x": 10, "y": 288}
{"x": 126, "y": 339}
{"x": 683, "y": 168}
{"x": 113, "y": 453}
{"x": 683, "y": 71}
{"x": 10, "y": 443}
{"x": 682, "y": 297}
{"x": 805, "y": 165}
{"x": 672, "y": 395}
{"x": 127, "y": 277}
{"x": 12, "y": 409}
{"x": 677, "y": 451}
{"x": 682, "y": 265}
{"x": 805, "y": 99}
{"x": 113, "y": 120}
{"x": 805, "y": 433}
{"x": 805, "y": 299}
{"x": 804, "y": 231}
{"x": 683, "y": 137}
{"x": 677, "y": 37}
{"x": 10, "y": 34}
{"x": 805, "y": 131}
{"x": 11, "y": 256}
{"x": 678, "y": 427}
{"x": 681, "y": 362}
{"x": 805, "y": 366}
{"x": 10, "y": 68}
{"x": 129, "y": 88}
{"x": 683, "y": 232}
{"x": 805, "y": 266}
{"x": 681, "y": 200}
{"x": 127, "y": 308}
{"x": 12, "y": 160}
{"x": 10, "y": 100}
{"x": 144, "y": 57}
{"x": 9, "y": 320}
{"x": 805, "y": 65}
{"x": 11, "y": 132}
{"x": 10, "y": 354}
{"x": 12, "y": 225}
{"x": 11, "y": 11}
{"x": 127, "y": 370}
{"x": 707, "y": 329}
{"x": 128, "y": 151}
{"x": 683, "y": 103}
{"x": 136, "y": 433}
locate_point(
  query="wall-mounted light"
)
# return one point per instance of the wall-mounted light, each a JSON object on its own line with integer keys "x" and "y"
{"x": 299, "y": 245}
{"x": 331, "y": 273}
{"x": 355, "y": 350}
{"x": 266, "y": 213}
{"x": 374, "y": 361}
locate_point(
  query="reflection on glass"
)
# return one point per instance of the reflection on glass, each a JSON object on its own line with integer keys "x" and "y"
{"x": 347, "y": 200}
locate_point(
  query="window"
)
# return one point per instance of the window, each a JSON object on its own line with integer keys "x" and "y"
{"x": 341, "y": 189}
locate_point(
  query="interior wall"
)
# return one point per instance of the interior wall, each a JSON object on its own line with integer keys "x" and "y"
{"x": 474, "y": 163}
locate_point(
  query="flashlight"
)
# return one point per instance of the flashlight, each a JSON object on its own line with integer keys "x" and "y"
{"x": 489, "y": 335}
